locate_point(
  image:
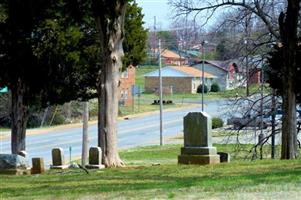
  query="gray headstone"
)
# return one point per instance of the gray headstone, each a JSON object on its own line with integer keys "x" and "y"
{"x": 198, "y": 147}
{"x": 197, "y": 130}
{"x": 12, "y": 161}
{"x": 95, "y": 156}
{"x": 58, "y": 157}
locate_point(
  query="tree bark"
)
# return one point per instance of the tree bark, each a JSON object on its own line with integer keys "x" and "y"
{"x": 289, "y": 148}
{"x": 288, "y": 32}
{"x": 19, "y": 117}
{"x": 109, "y": 20}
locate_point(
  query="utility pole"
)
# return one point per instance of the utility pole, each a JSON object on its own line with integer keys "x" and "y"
{"x": 155, "y": 38}
{"x": 186, "y": 32}
{"x": 246, "y": 42}
{"x": 85, "y": 134}
{"x": 261, "y": 110}
{"x": 203, "y": 74}
{"x": 273, "y": 151}
{"x": 247, "y": 67}
{"x": 161, "y": 96}
{"x": 45, "y": 115}
{"x": 155, "y": 26}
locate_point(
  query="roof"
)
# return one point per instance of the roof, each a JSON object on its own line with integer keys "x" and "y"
{"x": 190, "y": 53}
{"x": 194, "y": 53}
{"x": 193, "y": 71}
{"x": 179, "y": 71}
{"x": 255, "y": 61}
{"x": 224, "y": 65}
{"x": 170, "y": 54}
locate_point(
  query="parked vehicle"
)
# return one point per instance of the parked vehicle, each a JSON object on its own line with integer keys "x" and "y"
{"x": 278, "y": 118}
{"x": 241, "y": 122}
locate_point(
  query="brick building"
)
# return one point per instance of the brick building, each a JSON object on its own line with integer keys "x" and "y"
{"x": 254, "y": 76}
{"x": 182, "y": 79}
{"x": 127, "y": 79}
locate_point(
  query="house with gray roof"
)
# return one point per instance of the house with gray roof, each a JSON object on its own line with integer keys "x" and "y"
{"x": 229, "y": 74}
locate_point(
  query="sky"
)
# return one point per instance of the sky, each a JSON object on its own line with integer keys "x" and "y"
{"x": 158, "y": 8}
{"x": 163, "y": 13}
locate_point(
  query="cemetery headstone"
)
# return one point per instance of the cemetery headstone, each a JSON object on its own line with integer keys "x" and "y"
{"x": 198, "y": 147}
{"x": 224, "y": 157}
{"x": 37, "y": 166}
{"x": 58, "y": 160}
{"x": 95, "y": 158}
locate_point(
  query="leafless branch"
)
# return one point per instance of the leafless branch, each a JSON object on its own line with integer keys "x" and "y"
{"x": 254, "y": 6}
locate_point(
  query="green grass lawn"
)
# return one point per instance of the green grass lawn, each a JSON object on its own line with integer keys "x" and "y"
{"x": 153, "y": 173}
{"x": 141, "y": 71}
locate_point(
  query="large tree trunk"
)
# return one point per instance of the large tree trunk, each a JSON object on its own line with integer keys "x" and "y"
{"x": 289, "y": 148}
{"x": 108, "y": 114}
{"x": 18, "y": 117}
{"x": 110, "y": 20}
{"x": 288, "y": 31}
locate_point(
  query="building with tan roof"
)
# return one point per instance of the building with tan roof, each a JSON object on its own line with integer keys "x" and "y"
{"x": 177, "y": 79}
{"x": 172, "y": 58}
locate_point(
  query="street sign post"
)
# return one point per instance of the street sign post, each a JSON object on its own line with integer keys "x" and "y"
{"x": 135, "y": 90}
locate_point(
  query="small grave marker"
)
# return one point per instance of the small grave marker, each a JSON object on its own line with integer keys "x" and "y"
{"x": 58, "y": 161}
{"x": 37, "y": 166}
{"x": 95, "y": 158}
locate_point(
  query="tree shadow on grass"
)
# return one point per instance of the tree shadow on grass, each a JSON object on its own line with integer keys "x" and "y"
{"x": 145, "y": 179}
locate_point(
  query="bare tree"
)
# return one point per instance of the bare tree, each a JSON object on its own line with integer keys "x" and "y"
{"x": 285, "y": 31}
{"x": 187, "y": 32}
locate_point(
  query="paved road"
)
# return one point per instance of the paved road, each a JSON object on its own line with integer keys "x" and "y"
{"x": 137, "y": 131}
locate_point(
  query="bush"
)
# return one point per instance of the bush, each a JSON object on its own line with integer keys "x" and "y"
{"x": 34, "y": 121}
{"x": 217, "y": 122}
{"x": 199, "y": 90}
{"x": 58, "y": 119}
{"x": 5, "y": 122}
{"x": 215, "y": 87}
